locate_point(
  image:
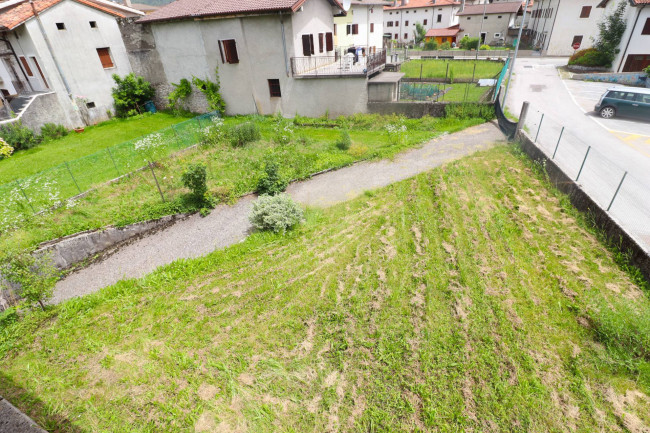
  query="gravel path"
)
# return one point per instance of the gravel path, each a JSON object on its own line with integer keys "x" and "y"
{"x": 227, "y": 225}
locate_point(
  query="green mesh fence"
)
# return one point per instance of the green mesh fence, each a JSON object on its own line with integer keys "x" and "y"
{"x": 47, "y": 189}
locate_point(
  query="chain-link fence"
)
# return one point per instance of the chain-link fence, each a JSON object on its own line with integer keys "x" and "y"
{"x": 613, "y": 188}
{"x": 47, "y": 189}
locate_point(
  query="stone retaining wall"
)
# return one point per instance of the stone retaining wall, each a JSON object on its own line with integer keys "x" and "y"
{"x": 639, "y": 79}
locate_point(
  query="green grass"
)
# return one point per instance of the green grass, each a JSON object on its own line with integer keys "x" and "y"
{"x": 462, "y": 69}
{"x": 463, "y": 299}
{"x": 231, "y": 173}
{"x": 457, "y": 92}
{"x": 73, "y": 146}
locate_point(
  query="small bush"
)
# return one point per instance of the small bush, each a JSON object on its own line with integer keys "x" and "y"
{"x": 589, "y": 57}
{"x": 247, "y": 132}
{"x": 214, "y": 133}
{"x": 283, "y": 130}
{"x": 445, "y": 46}
{"x": 468, "y": 43}
{"x": 485, "y": 47}
{"x": 647, "y": 70}
{"x": 130, "y": 94}
{"x": 344, "y": 141}
{"x": 358, "y": 150}
{"x": 52, "y": 131}
{"x": 431, "y": 45}
{"x": 181, "y": 92}
{"x": 278, "y": 213}
{"x": 18, "y": 136}
{"x": 35, "y": 275}
{"x": 5, "y": 149}
{"x": 195, "y": 179}
{"x": 271, "y": 183}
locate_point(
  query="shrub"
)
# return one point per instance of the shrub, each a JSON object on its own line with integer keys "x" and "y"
{"x": 18, "y": 136}
{"x": 52, "y": 131}
{"x": 431, "y": 45}
{"x": 445, "y": 46}
{"x": 610, "y": 33}
{"x": 212, "y": 92}
{"x": 36, "y": 276}
{"x": 130, "y": 94}
{"x": 589, "y": 57}
{"x": 5, "y": 149}
{"x": 396, "y": 132}
{"x": 278, "y": 213}
{"x": 485, "y": 47}
{"x": 271, "y": 183}
{"x": 181, "y": 92}
{"x": 247, "y": 132}
{"x": 344, "y": 141}
{"x": 214, "y": 133}
{"x": 358, "y": 150}
{"x": 195, "y": 178}
{"x": 468, "y": 43}
{"x": 283, "y": 130}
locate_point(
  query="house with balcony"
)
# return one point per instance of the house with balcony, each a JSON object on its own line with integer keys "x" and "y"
{"x": 400, "y": 17}
{"x": 57, "y": 59}
{"x": 361, "y": 27}
{"x": 272, "y": 56}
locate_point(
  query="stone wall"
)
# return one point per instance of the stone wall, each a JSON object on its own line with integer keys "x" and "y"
{"x": 639, "y": 79}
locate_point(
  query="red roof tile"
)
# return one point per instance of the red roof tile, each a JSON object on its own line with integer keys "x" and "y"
{"x": 448, "y": 32}
{"x": 13, "y": 16}
{"x": 492, "y": 8}
{"x": 421, "y": 4}
{"x": 184, "y": 9}
{"x": 641, "y": 2}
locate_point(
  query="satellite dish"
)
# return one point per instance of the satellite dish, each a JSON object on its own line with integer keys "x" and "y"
{"x": 346, "y": 5}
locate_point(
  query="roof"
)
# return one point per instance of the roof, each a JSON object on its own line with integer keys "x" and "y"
{"x": 387, "y": 77}
{"x": 144, "y": 7}
{"x": 492, "y": 8}
{"x": 639, "y": 2}
{"x": 367, "y": 2}
{"x": 422, "y": 4}
{"x": 13, "y": 16}
{"x": 187, "y": 9}
{"x": 449, "y": 31}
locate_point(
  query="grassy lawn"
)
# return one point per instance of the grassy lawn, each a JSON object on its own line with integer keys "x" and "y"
{"x": 73, "y": 146}
{"x": 232, "y": 171}
{"x": 435, "y": 68}
{"x": 457, "y": 92}
{"x": 470, "y": 298}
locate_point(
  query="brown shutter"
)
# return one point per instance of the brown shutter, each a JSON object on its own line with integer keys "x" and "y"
{"x": 348, "y": 29}
{"x": 329, "y": 41}
{"x": 646, "y": 27}
{"x": 233, "y": 57}
{"x": 312, "y": 46}
{"x": 585, "y": 12}
{"x": 320, "y": 42}
{"x": 105, "y": 57}
{"x": 26, "y": 66}
{"x": 355, "y": 29}
{"x": 372, "y": 27}
{"x": 306, "y": 51}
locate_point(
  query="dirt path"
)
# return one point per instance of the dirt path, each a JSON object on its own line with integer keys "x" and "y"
{"x": 227, "y": 225}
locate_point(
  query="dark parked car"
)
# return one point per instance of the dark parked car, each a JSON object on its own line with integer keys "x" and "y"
{"x": 625, "y": 102}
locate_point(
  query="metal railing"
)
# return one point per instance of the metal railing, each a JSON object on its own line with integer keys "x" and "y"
{"x": 340, "y": 64}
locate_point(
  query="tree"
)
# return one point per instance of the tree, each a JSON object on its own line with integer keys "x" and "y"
{"x": 420, "y": 33}
{"x": 611, "y": 31}
{"x": 131, "y": 93}
{"x": 35, "y": 275}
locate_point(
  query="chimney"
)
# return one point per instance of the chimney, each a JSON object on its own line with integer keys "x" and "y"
{"x": 462, "y": 5}
{"x": 127, "y": 3}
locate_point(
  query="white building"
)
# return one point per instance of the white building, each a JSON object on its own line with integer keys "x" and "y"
{"x": 67, "y": 47}
{"x": 493, "y": 23}
{"x": 272, "y": 56}
{"x": 400, "y": 19}
{"x": 635, "y": 45}
{"x": 362, "y": 26}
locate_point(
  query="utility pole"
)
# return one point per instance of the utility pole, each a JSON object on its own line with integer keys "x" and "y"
{"x": 512, "y": 65}
{"x": 481, "y": 30}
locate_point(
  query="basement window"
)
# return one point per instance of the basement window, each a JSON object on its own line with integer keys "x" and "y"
{"x": 90, "y": 105}
{"x": 274, "y": 88}
{"x": 60, "y": 26}
{"x": 93, "y": 24}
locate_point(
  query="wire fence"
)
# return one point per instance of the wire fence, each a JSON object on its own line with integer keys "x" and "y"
{"x": 613, "y": 188}
{"x": 50, "y": 188}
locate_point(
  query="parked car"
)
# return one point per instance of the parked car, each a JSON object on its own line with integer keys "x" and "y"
{"x": 625, "y": 102}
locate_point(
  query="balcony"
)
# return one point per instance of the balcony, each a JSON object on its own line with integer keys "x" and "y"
{"x": 340, "y": 65}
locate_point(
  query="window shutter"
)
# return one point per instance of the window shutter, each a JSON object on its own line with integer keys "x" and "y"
{"x": 230, "y": 51}
{"x": 349, "y": 29}
{"x": 329, "y": 42}
{"x": 355, "y": 29}
{"x": 372, "y": 27}
{"x": 585, "y": 12}
{"x": 646, "y": 27}
{"x": 105, "y": 57}
{"x": 320, "y": 42}
{"x": 306, "y": 51}
{"x": 311, "y": 44}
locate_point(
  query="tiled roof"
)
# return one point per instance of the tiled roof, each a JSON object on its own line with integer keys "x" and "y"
{"x": 492, "y": 8}
{"x": 13, "y": 16}
{"x": 183, "y": 9}
{"x": 449, "y": 31}
{"x": 640, "y": 2}
{"x": 421, "y": 4}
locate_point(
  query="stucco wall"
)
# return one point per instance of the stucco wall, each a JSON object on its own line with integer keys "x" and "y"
{"x": 45, "y": 109}
{"x": 491, "y": 26}
{"x": 418, "y": 15}
{"x": 315, "y": 17}
{"x": 639, "y": 44}
{"x": 362, "y": 15}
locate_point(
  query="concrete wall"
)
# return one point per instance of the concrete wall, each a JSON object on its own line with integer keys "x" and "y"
{"x": 383, "y": 92}
{"x": 638, "y": 43}
{"x": 447, "y": 15}
{"x": 45, "y": 108}
{"x": 363, "y": 15}
{"x": 75, "y": 49}
{"x": 492, "y": 26}
{"x": 626, "y": 78}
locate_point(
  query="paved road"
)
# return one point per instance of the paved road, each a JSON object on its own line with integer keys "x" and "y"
{"x": 227, "y": 225}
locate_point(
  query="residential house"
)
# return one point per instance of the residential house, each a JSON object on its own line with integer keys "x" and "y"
{"x": 401, "y": 17}
{"x": 450, "y": 35}
{"x": 65, "y": 50}
{"x": 635, "y": 45}
{"x": 362, "y": 26}
{"x": 494, "y": 23}
{"x": 272, "y": 56}
{"x": 557, "y": 26}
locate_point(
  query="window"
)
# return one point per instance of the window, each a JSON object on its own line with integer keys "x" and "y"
{"x": 307, "y": 45}
{"x": 439, "y": 18}
{"x": 60, "y": 26}
{"x": 585, "y": 12}
{"x": 390, "y": 13}
{"x": 372, "y": 27}
{"x": 396, "y": 36}
{"x": 355, "y": 29}
{"x": 424, "y": 22}
{"x": 577, "y": 40}
{"x": 274, "y": 88}
{"x": 469, "y": 18}
{"x": 500, "y": 16}
{"x": 389, "y": 24}
{"x": 105, "y": 57}
{"x": 485, "y": 17}
{"x": 396, "y": 23}
{"x": 497, "y": 35}
{"x": 329, "y": 42}
{"x": 406, "y": 35}
{"x": 321, "y": 37}
{"x": 28, "y": 70}
{"x": 228, "y": 50}
{"x": 406, "y": 23}
{"x": 90, "y": 105}
{"x": 93, "y": 24}
{"x": 646, "y": 27}
{"x": 334, "y": 29}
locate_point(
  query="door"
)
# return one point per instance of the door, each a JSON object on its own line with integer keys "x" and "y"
{"x": 642, "y": 107}
{"x": 627, "y": 105}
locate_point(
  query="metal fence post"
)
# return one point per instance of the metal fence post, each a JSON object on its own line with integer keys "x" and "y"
{"x": 72, "y": 176}
{"x": 539, "y": 127}
{"x": 558, "y": 142}
{"x": 156, "y": 179}
{"x": 25, "y": 195}
{"x": 583, "y": 163}
{"x": 113, "y": 159}
{"x": 522, "y": 115}
{"x": 616, "y": 193}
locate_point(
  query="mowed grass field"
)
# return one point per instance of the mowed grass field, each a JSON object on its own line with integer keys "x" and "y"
{"x": 73, "y": 146}
{"x": 470, "y": 298}
{"x": 436, "y": 68}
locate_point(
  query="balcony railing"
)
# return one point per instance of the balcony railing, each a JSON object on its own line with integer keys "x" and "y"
{"x": 340, "y": 65}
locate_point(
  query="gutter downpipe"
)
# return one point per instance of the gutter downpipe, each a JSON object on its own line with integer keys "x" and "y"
{"x": 20, "y": 66}
{"x": 49, "y": 47}
{"x": 630, "y": 38}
